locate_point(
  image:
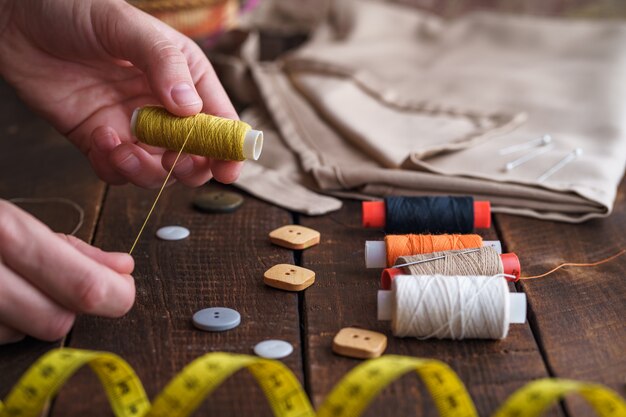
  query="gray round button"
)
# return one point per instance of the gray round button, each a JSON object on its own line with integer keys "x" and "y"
{"x": 273, "y": 349}
{"x": 172, "y": 233}
{"x": 216, "y": 319}
{"x": 218, "y": 201}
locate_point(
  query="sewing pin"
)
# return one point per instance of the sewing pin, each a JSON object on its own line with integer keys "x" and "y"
{"x": 573, "y": 155}
{"x": 421, "y": 261}
{"x": 544, "y": 140}
{"x": 530, "y": 155}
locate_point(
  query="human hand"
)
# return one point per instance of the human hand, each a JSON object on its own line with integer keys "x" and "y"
{"x": 48, "y": 278}
{"x": 85, "y": 65}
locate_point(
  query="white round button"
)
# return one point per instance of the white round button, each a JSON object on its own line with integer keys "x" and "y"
{"x": 273, "y": 349}
{"x": 172, "y": 233}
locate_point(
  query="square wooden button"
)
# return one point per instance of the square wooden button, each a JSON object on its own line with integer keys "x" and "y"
{"x": 289, "y": 277}
{"x": 359, "y": 343}
{"x": 294, "y": 236}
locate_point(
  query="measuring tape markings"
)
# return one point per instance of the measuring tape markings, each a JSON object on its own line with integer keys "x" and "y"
{"x": 198, "y": 379}
{"x": 534, "y": 398}
{"x": 44, "y": 379}
{"x": 359, "y": 387}
{"x": 349, "y": 398}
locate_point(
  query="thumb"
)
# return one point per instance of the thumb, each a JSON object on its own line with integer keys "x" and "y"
{"x": 130, "y": 34}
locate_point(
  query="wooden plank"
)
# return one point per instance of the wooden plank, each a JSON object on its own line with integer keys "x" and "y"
{"x": 220, "y": 264}
{"x": 577, "y": 314}
{"x": 37, "y": 162}
{"x": 345, "y": 295}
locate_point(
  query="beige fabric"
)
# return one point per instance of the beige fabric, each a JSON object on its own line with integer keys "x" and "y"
{"x": 408, "y": 104}
{"x": 280, "y": 181}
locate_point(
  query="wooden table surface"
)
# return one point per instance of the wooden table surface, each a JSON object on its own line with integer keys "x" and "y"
{"x": 575, "y": 327}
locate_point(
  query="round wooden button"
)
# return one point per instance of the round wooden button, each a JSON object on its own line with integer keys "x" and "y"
{"x": 218, "y": 201}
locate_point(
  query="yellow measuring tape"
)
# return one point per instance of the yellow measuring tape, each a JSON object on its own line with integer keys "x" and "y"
{"x": 349, "y": 398}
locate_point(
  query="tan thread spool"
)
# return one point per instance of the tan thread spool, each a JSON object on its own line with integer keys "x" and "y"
{"x": 484, "y": 261}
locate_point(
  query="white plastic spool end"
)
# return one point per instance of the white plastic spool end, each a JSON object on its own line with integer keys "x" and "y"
{"x": 494, "y": 244}
{"x": 253, "y": 144}
{"x": 375, "y": 254}
{"x": 517, "y": 307}
{"x": 133, "y": 120}
{"x": 384, "y": 305}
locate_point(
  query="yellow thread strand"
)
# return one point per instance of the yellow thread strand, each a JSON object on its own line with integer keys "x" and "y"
{"x": 162, "y": 188}
{"x": 603, "y": 261}
{"x": 214, "y": 137}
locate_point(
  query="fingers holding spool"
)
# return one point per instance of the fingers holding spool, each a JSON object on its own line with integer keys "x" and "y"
{"x": 191, "y": 170}
{"x": 214, "y": 97}
{"x": 104, "y": 140}
{"x": 134, "y": 38}
{"x": 195, "y": 171}
{"x": 226, "y": 172}
{"x": 138, "y": 166}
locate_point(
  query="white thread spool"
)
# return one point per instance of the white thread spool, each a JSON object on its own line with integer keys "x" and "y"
{"x": 451, "y": 307}
{"x": 376, "y": 252}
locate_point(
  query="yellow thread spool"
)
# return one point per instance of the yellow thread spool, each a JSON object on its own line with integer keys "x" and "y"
{"x": 212, "y": 136}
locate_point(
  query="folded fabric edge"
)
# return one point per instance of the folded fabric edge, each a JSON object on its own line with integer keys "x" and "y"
{"x": 499, "y": 122}
{"x": 275, "y": 188}
{"x": 337, "y": 181}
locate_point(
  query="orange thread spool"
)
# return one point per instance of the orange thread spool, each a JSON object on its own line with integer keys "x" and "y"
{"x": 406, "y": 245}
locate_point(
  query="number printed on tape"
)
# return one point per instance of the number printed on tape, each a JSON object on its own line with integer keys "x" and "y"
{"x": 350, "y": 397}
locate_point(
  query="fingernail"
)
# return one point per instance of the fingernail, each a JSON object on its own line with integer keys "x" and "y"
{"x": 130, "y": 164}
{"x": 184, "y": 166}
{"x": 185, "y": 95}
{"x": 105, "y": 142}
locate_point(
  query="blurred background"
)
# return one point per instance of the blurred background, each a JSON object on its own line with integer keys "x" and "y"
{"x": 222, "y": 27}
{"x": 206, "y": 20}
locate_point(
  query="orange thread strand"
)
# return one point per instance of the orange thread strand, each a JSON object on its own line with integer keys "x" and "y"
{"x": 603, "y": 261}
{"x": 407, "y": 245}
